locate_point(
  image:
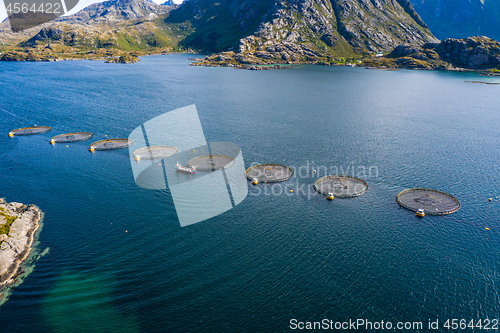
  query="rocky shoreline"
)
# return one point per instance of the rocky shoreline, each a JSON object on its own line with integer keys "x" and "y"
{"x": 474, "y": 53}
{"x": 108, "y": 56}
{"x": 18, "y": 226}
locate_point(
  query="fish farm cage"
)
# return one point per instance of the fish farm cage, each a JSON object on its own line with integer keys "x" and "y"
{"x": 341, "y": 186}
{"x": 71, "y": 137}
{"x": 30, "y": 130}
{"x": 111, "y": 144}
{"x": 154, "y": 152}
{"x": 431, "y": 201}
{"x": 269, "y": 173}
{"x": 211, "y": 162}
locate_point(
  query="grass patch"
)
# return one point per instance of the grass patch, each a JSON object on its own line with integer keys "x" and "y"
{"x": 5, "y": 228}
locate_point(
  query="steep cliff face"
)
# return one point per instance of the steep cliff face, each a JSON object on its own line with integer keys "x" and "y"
{"x": 297, "y": 30}
{"x": 131, "y": 21}
{"x": 461, "y": 18}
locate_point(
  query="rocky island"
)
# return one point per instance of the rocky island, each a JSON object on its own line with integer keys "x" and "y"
{"x": 125, "y": 59}
{"x": 18, "y": 225}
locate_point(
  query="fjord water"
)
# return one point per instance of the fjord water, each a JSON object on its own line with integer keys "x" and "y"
{"x": 119, "y": 261}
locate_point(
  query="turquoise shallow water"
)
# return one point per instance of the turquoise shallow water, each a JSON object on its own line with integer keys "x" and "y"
{"x": 273, "y": 257}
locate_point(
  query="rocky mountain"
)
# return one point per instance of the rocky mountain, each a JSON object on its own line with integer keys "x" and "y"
{"x": 461, "y": 18}
{"x": 114, "y": 11}
{"x": 298, "y": 30}
{"x": 479, "y": 53}
{"x": 141, "y": 35}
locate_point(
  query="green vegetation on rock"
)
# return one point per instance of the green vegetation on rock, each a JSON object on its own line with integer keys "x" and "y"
{"x": 5, "y": 223}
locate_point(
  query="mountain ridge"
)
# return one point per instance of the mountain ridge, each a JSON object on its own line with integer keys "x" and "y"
{"x": 460, "y": 18}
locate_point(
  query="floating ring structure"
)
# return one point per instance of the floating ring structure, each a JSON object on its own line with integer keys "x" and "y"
{"x": 341, "y": 186}
{"x": 431, "y": 201}
{"x": 269, "y": 173}
{"x": 154, "y": 152}
{"x": 211, "y": 162}
{"x": 30, "y": 130}
{"x": 71, "y": 137}
{"x": 111, "y": 144}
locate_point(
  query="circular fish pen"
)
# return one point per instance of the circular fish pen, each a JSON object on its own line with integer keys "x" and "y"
{"x": 30, "y": 130}
{"x": 341, "y": 186}
{"x": 71, "y": 137}
{"x": 111, "y": 144}
{"x": 154, "y": 152}
{"x": 269, "y": 173}
{"x": 211, "y": 162}
{"x": 431, "y": 201}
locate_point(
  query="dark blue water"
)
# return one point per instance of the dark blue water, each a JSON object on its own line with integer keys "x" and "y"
{"x": 120, "y": 262}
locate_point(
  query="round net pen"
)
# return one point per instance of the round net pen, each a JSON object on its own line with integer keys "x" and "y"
{"x": 211, "y": 162}
{"x": 341, "y": 186}
{"x": 431, "y": 201}
{"x": 154, "y": 152}
{"x": 30, "y": 130}
{"x": 111, "y": 144}
{"x": 71, "y": 137}
{"x": 269, "y": 173}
